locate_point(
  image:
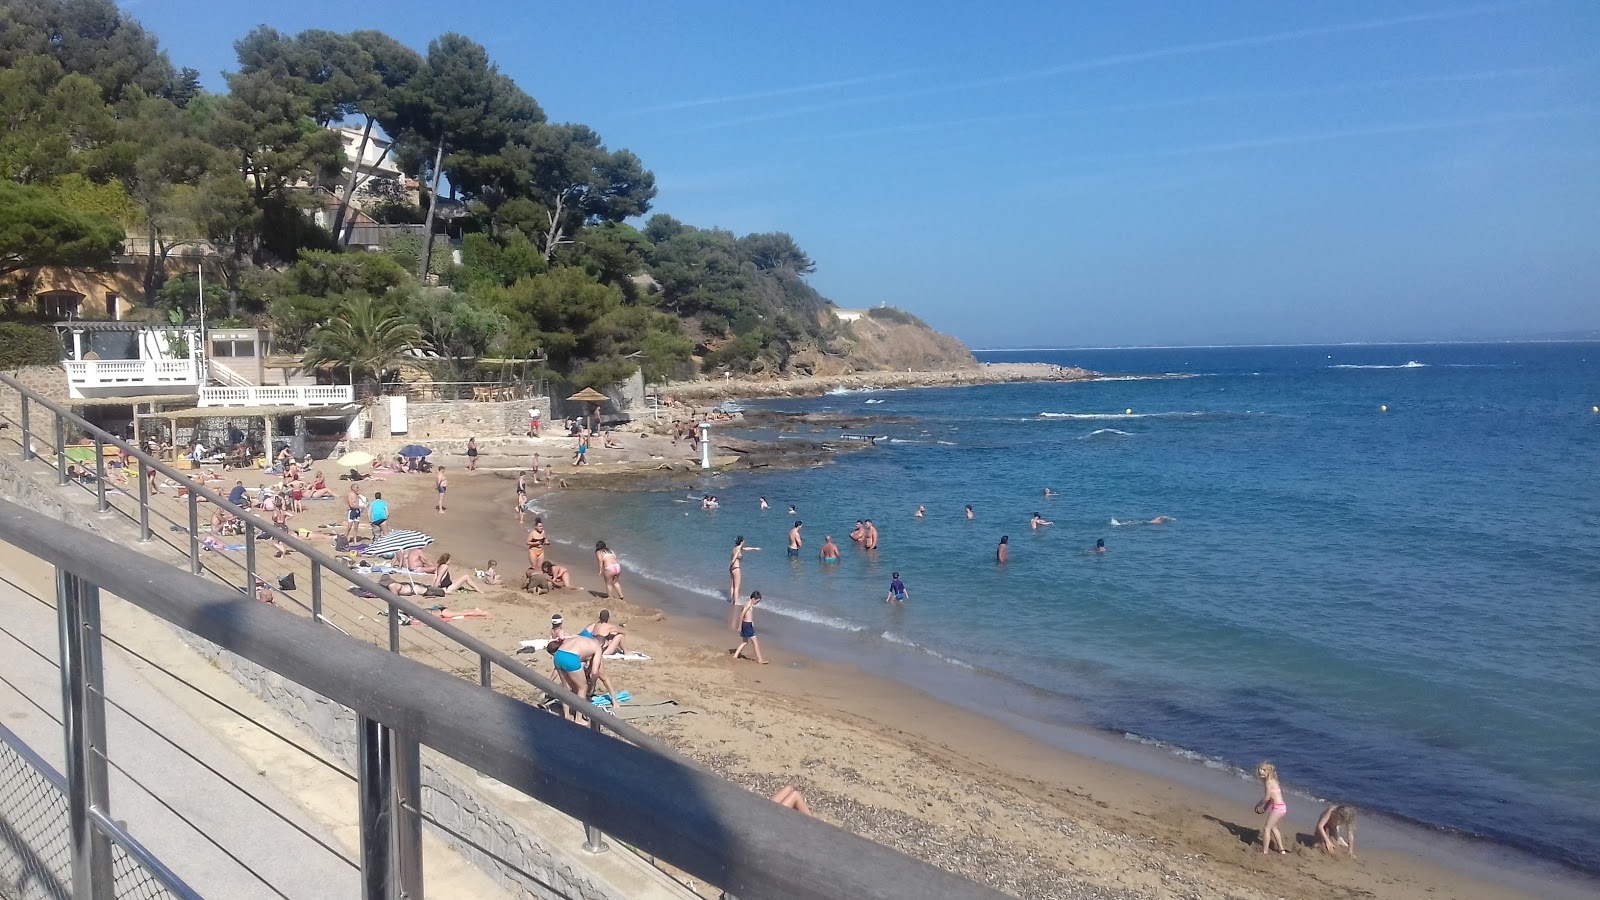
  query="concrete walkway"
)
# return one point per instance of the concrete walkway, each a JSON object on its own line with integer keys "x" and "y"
{"x": 310, "y": 795}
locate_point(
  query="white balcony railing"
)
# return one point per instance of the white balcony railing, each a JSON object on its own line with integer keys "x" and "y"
{"x": 129, "y": 377}
{"x": 278, "y": 395}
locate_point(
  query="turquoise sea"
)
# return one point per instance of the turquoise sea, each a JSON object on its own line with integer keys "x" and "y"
{"x": 1401, "y": 608}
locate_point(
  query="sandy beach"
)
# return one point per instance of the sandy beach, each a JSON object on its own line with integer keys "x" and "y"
{"x": 902, "y": 767}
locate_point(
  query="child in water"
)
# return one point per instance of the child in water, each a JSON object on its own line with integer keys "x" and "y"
{"x": 897, "y": 590}
{"x": 1272, "y": 806}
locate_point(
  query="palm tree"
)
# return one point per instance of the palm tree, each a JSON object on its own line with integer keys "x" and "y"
{"x": 364, "y": 339}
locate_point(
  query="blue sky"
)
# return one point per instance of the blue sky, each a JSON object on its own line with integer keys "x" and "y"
{"x": 1093, "y": 173}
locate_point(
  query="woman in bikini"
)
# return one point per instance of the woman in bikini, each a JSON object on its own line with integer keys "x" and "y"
{"x": 537, "y": 541}
{"x": 446, "y": 583}
{"x": 733, "y": 567}
{"x": 319, "y": 487}
{"x": 610, "y": 569}
{"x": 559, "y": 575}
{"x": 1272, "y": 806}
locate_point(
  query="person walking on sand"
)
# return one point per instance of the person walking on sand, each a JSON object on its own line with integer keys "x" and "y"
{"x": 352, "y": 512}
{"x": 440, "y": 485}
{"x": 610, "y": 569}
{"x": 472, "y": 454}
{"x": 747, "y": 629}
{"x": 1003, "y": 552}
{"x": 522, "y": 497}
{"x": 1038, "y": 520}
{"x": 580, "y": 456}
{"x": 1272, "y": 806}
{"x": 871, "y": 543}
{"x": 830, "y": 550}
{"x": 734, "y": 566}
{"x": 897, "y": 590}
{"x": 794, "y": 541}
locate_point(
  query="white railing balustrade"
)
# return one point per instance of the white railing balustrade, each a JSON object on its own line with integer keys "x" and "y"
{"x": 125, "y": 377}
{"x": 279, "y": 395}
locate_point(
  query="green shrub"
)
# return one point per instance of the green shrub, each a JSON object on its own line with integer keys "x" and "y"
{"x": 890, "y": 314}
{"x": 28, "y": 345}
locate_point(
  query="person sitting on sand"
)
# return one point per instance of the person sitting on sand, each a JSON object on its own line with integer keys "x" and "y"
{"x": 830, "y": 550}
{"x": 319, "y": 487}
{"x": 413, "y": 560}
{"x": 610, "y": 636}
{"x": 574, "y": 654}
{"x": 489, "y": 575}
{"x": 1037, "y": 521}
{"x": 535, "y": 581}
{"x": 558, "y": 630}
{"x": 560, "y": 576}
{"x": 611, "y": 441}
{"x": 1272, "y": 806}
{"x": 790, "y": 797}
{"x": 1337, "y": 828}
{"x": 447, "y": 582}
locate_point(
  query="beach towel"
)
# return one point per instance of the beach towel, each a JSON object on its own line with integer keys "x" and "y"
{"x": 533, "y": 646}
{"x": 630, "y": 656}
{"x": 605, "y": 699}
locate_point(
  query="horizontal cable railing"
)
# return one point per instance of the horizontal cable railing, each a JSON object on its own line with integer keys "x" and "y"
{"x": 694, "y": 820}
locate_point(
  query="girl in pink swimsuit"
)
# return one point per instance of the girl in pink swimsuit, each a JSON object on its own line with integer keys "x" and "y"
{"x": 1272, "y": 805}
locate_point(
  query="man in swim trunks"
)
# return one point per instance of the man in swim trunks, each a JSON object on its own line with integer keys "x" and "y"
{"x": 830, "y": 550}
{"x": 860, "y": 534}
{"x": 747, "y": 629}
{"x": 871, "y": 543}
{"x": 575, "y": 653}
{"x": 352, "y": 513}
{"x": 794, "y": 540}
{"x": 441, "y": 484}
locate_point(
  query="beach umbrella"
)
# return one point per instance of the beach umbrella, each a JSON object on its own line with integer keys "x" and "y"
{"x": 589, "y": 395}
{"x": 396, "y": 541}
{"x": 414, "y": 451}
{"x": 355, "y": 458}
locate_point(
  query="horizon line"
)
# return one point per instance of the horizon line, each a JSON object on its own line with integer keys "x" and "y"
{"x": 1588, "y": 340}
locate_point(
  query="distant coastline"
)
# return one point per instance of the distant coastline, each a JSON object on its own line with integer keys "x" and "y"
{"x": 818, "y": 385}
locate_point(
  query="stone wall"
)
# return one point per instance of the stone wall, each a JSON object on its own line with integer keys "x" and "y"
{"x": 458, "y": 420}
{"x": 50, "y": 381}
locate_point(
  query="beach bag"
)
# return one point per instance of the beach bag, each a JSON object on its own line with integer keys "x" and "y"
{"x": 341, "y": 543}
{"x": 286, "y": 582}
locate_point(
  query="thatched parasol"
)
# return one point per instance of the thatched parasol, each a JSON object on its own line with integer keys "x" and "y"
{"x": 589, "y": 395}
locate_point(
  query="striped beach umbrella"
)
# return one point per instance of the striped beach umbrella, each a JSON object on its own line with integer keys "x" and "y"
{"x": 396, "y": 541}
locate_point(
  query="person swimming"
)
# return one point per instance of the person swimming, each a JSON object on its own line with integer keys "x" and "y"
{"x": 969, "y": 511}
{"x": 1100, "y": 545}
{"x": 1037, "y": 521}
{"x": 1003, "y": 552}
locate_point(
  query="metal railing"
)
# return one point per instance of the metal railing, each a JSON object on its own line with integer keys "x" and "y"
{"x": 698, "y": 822}
{"x": 57, "y": 837}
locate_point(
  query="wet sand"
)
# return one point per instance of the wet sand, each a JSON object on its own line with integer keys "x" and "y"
{"x": 963, "y": 791}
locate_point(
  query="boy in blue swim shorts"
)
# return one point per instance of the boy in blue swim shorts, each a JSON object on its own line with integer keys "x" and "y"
{"x": 747, "y": 628}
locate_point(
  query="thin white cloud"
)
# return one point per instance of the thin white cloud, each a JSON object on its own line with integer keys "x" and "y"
{"x": 773, "y": 93}
{"x": 1126, "y": 59}
{"x": 1197, "y": 100}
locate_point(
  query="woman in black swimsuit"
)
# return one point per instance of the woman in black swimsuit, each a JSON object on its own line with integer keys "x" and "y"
{"x": 734, "y": 565}
{"x": 472, "y": 454}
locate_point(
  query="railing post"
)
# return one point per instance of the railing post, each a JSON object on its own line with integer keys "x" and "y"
{"x": 593, "y": 840}
{"x": 61, "y": 450}
{"x": 485, "y": 671}
{"x": 100, "y": 474}
{"x": 394, "y": 628}
{"x": 374, "y": 786}
{"x": 27, "y": 430}
{"x": 406, "y": 768}
{"x": 144, "y": 500}
{"x": 84, "y": 727}
{"x": 194, "y": 532}
{"x": 250, "y": 559}
{"x": 316, "y": 591}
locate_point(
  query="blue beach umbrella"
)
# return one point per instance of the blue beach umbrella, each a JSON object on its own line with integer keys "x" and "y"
{"x": 414, "y": 451}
